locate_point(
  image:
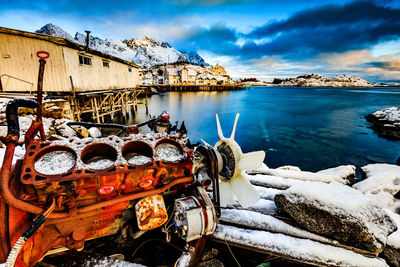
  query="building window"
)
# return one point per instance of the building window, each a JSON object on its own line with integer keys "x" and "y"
{"x": 106, "y": 64}
{"x": 130, "y": 69}
{"x": 85, "y": 60}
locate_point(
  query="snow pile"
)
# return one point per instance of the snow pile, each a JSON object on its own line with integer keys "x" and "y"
{"x": 297, "y": 248}
{"x": 346, "y": 203}
{"x": 382, "y": 183}
{"x": 317, "y": 80}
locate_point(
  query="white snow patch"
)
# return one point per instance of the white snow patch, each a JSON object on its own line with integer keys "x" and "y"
{"x": 394, "y": 238}
{"x": 267, "y": 222}
{"x": 391, "y": 114}
{"x": 56, "y": 162}
{"x": 343, "y": 201}
{"x": 382, "y": 183}
{"x": 298, "y": 248}
{"x": 139, "y": 160}
{"x": 338, "y": 174}
{"x": 168, "y": 152}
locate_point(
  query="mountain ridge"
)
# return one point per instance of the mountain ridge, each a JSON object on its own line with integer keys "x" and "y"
{"x": 146, "y": 51}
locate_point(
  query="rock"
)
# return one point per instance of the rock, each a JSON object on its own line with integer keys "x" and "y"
{"x": 94, "y": 132}
{"x": 82, "y": 131}
{"x": 57, "y": 109}
{"x": 65, "y": 131}
{"x": 211, "y": 263}
{"x": 53, "y": 112}
{"x": 317, "y": 80}
{"x": 392, "y": 256}
{"x": 386, "y": 122}
{"x": 339, "y": 212}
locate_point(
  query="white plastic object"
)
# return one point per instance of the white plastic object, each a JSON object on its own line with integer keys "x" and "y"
{"x": 239, "y": 184}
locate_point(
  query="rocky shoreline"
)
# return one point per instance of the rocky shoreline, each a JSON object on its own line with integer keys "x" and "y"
{"x": 386, "y": 122}
{"x": 317, "y": 80}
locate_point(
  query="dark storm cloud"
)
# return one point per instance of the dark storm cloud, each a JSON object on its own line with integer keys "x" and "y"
{"x": 328, "y": 28}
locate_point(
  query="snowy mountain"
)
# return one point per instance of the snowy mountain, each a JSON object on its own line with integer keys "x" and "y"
{"x": 53, "y": 30}
{"x": 194, "y": 58}
{"x": 150, "y": 52}
{"x": 146, "y": 52}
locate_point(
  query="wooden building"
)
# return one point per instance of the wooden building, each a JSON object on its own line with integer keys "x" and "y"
{"x": 70, "y": 67}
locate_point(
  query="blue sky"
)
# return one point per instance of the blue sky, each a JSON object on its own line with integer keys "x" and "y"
{"x": 251, "y": 38}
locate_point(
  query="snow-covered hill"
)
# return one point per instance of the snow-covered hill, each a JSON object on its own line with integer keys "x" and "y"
{"x": 194, "y": 58}
{"x": 150, "y": 52}
{"x": 146, "y": 52}
{"x": 317, "y": 80}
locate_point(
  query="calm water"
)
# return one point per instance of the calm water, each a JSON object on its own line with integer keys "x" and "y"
{"x": 313, "y": 128}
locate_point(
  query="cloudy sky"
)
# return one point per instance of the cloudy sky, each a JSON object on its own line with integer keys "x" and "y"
{"x": 251, "y": 38}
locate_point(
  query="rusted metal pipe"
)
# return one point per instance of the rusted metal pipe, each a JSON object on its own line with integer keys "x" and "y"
{"x": 42, "y": 62}
{"x": 19, "y": 204}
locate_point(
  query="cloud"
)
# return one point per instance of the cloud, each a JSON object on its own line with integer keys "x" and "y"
{"x": 329, "y": 28}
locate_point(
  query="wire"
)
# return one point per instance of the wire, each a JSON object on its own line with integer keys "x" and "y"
{"x": 232, "y": 253}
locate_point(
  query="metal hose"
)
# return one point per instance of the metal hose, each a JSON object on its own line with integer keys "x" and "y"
{"x": 12, "y": 256}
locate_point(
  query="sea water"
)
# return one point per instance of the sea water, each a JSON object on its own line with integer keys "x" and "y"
{"x": 313, "y": 128}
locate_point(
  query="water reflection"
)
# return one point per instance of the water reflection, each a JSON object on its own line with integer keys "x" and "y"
{"x": 313, "y": 128}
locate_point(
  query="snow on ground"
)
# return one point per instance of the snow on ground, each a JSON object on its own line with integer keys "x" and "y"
{"x": 338, "y": 174}
{"x": 343, "y": 201}
{"x": 272, "y": 181}
{"x": 267, "y": 193}
{"x": 296, "y": 247}
{"x": 263, "y": 206}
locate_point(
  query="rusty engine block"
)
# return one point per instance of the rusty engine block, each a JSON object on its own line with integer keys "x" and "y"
{"x": 96, "y": 184}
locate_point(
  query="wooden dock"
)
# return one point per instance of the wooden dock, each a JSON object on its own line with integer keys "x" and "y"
{"x": 106, "y": 103}
{"x": 196, "y": 88}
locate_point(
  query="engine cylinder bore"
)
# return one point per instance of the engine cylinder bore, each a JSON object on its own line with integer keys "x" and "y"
{"x": 168, "y": 150}
{"x": 55, "y": 160}
{"x": 99, "y": 156}
{"x": 137, "y": 153}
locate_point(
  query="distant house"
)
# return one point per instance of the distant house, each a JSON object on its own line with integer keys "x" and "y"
{"x": 219, "y": 70}
{"x": 70, "y": 65}
{"x": 172, "y": 75}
